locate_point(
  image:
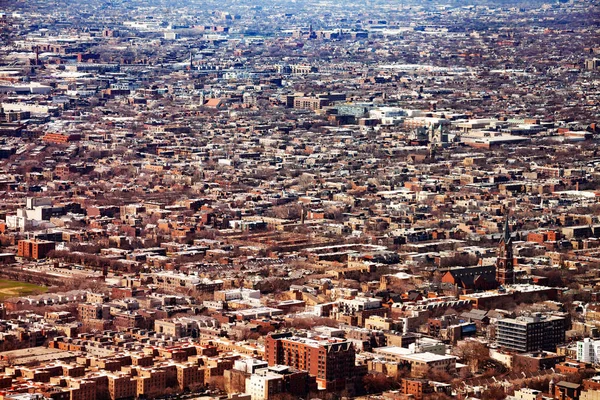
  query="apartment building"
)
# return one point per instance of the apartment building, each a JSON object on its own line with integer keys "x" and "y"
{"x": 331, "y": 361}
{"x": 121, "y": 387}
{"x": 189, "y": 375}
{"x": 525, "y": 334}
{"x": 36, "y": 249}
{"x": 588, "y": 350}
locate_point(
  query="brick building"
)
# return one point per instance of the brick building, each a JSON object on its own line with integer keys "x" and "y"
{"x": 60, "y": 138}
{"x": 89, "y": 311}
{"x": 36, "y": 249}
{"x": 481, "y": 277}
{"x": 189, "y": 376}
{"x": 331, "y": 361}
{"x": 420, "y": 388}
{"x": 536, "y": 361}
{"x": 121, "y": 387}
{"x": 567, "y": 391}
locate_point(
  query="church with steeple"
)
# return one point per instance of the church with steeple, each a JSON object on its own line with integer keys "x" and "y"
{"x": 505, "y": 273}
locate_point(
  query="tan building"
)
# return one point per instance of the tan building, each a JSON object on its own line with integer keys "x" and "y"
{"x": 419, "y": 363}
{"x": 142, "y": 360}
{"x": 264, "y": 384}
{"x": 377, "y": 322}
{"x": 189, "y": 375}
{"x": 89, "y": 311}
{"x": 151, "y": 382}
{"x": 82, "y": 390}
{"x": 171, "y": 328}
{"x": 121, "y": 387}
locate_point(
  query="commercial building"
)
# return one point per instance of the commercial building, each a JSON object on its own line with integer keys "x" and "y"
{"x": 237, "y": 294}
{"x": 60, "y": 138}
{"x": 526, "y": 334}
{"x": 89, "y": 311}
{"x": 319, "y": 101}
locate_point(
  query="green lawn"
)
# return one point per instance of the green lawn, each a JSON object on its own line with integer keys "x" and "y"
{"x": 16, "y": 289}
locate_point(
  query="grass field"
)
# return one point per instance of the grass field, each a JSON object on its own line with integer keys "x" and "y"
{"x": 15, "y": 289}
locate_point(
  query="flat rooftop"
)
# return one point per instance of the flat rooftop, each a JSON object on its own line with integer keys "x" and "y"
{"x": 36, "y": 355}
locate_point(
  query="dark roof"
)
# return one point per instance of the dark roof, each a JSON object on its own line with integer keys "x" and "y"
{"x": 475, "y": 314}
{"x": 414, "y": 296}
{"x": 506, "y": 234}
{"x": 468, "y": 281}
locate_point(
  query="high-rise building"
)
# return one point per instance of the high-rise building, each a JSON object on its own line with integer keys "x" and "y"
{"x": 534, "y": 333}
{"x": 330, "y": 360}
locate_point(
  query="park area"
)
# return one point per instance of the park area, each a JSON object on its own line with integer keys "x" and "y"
{"x": 10, "y": 288}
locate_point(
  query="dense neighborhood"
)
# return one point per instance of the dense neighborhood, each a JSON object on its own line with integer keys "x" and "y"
{"x": 299, "y": 200}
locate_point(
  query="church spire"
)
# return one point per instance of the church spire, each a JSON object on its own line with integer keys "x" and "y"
{"x": 506, "y": 236}
{"x": 504, "y": 263}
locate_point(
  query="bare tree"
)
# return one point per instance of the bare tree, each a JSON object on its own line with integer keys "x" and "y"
{"x": 474, "y": 353}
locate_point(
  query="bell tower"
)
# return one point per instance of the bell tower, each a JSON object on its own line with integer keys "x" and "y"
{"x": 505, "y": 274}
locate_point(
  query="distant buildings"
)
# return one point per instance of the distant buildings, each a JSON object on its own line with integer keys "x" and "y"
{"x": 319, "y": 101}
{"x": 173, "y": 282}
{"x": 211, "y": 181}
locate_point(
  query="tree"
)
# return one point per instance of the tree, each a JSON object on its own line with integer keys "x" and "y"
{"x": 333, "y": 212}
{"x": 217, "y": 383}
{"x": 378, "y": 382}
{"x": 474, "y": 353}
{"x": 438, "y": 375}
{"x": 436, "y": 396}
{"x": 493, "y": 393}
{"x": 288, "y": 211}
{"x": 9, "y": 359}
{"x": 555, "y": 277}
{"x": 196, "y": 387}
{"x": 306, "y": 181}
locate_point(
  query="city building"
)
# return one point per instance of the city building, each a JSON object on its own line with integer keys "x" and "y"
{"x": 526, "y": 334}
{"x": 588, "y": 350}
{"x": 36, "y": 249}
{"x": 331, "y": 360}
